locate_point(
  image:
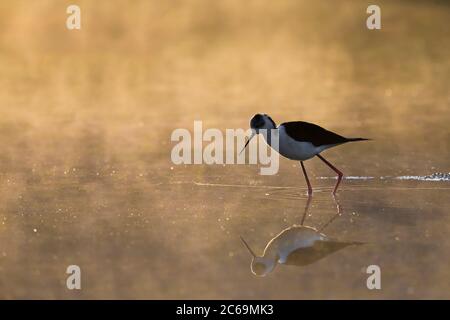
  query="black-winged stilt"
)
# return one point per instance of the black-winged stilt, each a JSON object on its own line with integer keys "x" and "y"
{"x": 299, "y": 140}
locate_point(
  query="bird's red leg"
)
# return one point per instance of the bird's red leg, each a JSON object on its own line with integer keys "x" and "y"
{"x": 307, "y": 180}
{"x": 339, "y": 173}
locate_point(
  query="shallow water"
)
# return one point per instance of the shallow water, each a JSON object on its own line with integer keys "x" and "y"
{"x": 85, "y": 170}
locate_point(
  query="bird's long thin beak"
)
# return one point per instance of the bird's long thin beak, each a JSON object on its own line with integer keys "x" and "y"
{"x": 248, "y": 247}
{"x": 246, "y": 144}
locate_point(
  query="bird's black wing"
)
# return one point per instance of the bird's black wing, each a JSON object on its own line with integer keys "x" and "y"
{"x": 309, "y": 132}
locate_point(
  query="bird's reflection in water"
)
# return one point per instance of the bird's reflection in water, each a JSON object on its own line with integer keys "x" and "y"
{"x": 297, "y": 245}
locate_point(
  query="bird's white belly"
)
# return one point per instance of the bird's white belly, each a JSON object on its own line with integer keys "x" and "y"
{"x": 295, "y": 150}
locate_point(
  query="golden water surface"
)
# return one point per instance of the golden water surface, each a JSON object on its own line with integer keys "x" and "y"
{"x": 86, "y": 176}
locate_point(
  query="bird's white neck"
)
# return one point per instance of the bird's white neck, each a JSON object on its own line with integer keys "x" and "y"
{"x": 269, "y": 135}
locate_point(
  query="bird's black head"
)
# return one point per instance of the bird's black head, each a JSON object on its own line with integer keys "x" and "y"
{"x": 259, "y": 122}
{"x": 262, "y": 121}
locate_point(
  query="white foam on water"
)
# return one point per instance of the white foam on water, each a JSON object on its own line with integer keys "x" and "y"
{"x": 433, "y": 177}
{"x": 438, "y": 176}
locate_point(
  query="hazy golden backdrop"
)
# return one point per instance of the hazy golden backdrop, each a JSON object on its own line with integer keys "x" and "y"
{"x": 85, "y": 123}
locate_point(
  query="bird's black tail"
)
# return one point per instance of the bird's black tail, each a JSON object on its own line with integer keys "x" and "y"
{"x": 357, "y": 139}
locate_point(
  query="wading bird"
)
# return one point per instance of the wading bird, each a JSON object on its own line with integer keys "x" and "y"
{"x": 299, "y": 140}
